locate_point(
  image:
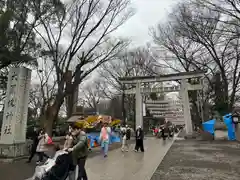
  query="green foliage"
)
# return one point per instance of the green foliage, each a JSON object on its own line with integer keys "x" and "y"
{"x": 17, "y": 39}
{"x": 18, "y": 22}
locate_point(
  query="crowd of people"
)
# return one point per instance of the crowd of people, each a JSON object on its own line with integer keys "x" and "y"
{"x": 76, "y": 144}
{"x": 126, "y": 134}
{"x": 77, "y": 148}
{"x": 165, "y": 130}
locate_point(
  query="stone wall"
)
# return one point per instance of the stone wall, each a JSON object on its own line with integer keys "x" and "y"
{"x": 21, "y": 150}
{"x": 13, "y": 150}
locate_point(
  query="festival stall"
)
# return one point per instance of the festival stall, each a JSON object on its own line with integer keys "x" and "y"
{"x": 93, "y": 124}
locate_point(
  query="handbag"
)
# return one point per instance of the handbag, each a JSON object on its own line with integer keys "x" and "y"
{"x": 49, "y": 141}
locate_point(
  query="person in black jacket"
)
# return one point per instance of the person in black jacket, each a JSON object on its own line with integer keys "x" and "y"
{"x": 139, "y": 139}
{"x": 34, "y": 144}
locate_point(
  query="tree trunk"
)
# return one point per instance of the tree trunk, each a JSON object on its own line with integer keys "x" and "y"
{"x": 48, "y": 124}
{"x": 50, "y": 117}
{"x": 69, "y": 105}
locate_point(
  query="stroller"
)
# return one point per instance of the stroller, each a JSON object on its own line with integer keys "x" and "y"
{"x": 56, "y": 168}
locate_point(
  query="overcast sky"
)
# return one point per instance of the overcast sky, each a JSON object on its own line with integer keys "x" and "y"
{"x": 148, "y": 14}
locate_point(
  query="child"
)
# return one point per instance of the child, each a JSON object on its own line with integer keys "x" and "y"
{"x": 68, "y": 139}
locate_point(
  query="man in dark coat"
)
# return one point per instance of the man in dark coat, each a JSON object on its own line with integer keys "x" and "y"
{"x": 139, "y": 139}
{"x": 79, "y": 152}
{"x": 34, "y": 144}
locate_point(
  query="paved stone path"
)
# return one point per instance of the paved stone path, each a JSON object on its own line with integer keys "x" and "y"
{"x": 118, "y": 166}
{"x": 19, "y": 170}
{"x": 200, "y": 160}
{"x": 129, "y": 165}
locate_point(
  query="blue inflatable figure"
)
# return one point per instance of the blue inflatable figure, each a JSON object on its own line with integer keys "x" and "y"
{"x": 230, "y": 126}
{"x": 209, "y": 126}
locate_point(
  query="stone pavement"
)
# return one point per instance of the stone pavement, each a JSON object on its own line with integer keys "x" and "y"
{"x": 118, "y": 165}
{"x": 200, "y": 160}
{"x": 129, "y": 165}
{"x": 19, "y": 170}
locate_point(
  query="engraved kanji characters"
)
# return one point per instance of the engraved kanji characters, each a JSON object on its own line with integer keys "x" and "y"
{"x": 8, "y": 129}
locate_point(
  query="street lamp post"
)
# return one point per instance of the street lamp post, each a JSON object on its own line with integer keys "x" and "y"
{"x": 236, "y": 121}
{"x": 235, "y": 118}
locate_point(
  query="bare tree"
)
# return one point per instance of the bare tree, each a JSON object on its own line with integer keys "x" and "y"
{"x": 43, "y": 91}
{"x": 35, "y": 99}
{"x": 230, "y": 28}
{"x": 194, "y": 38}
{"x": 93, "y": 94}
{"x": 78, "y": 40}
{"x": 136, "y": 62}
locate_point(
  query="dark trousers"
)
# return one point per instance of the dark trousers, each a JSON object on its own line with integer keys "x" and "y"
{"x": 163, "y": 133}
{"x": 139, "y": 144}
{"x": 32, "y": 153}
{"x": 41, "y": 155}
{"x": 82, "y": 175}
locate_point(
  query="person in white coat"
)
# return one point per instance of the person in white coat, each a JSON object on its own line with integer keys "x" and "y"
{"x": 42, "y": 147}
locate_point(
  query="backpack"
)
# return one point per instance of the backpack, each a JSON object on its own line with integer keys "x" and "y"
{"x": 128, "y": 133}
{"x": 123, "y": 133}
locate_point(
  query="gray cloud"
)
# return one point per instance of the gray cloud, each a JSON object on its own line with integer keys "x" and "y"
{"x": 148, "y": 14}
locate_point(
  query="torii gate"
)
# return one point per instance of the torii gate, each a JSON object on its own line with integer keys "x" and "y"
{"x": 184, "y": 88}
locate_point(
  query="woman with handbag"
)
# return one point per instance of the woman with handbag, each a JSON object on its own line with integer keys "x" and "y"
{"x": 42, "y": 148}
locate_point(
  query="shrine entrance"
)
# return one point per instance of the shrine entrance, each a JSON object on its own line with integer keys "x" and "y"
{"x": 170, "y": 110}
{"x": 184, "y": 78}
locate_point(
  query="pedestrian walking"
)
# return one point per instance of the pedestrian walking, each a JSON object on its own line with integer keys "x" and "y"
{"x": 139, "y": 139}
{"x": 105, "y": 138}
{"x": 35, "y": 141}
{"x": 42, "y": 146}
{"x": 68, "y": 139}
{"x": 123, "y": 134}
{"x": 79, "y": 153}
{"x": 126, "y": 135}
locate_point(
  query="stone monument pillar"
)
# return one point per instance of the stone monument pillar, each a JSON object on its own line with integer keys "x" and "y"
{"x": 13, "y": 132}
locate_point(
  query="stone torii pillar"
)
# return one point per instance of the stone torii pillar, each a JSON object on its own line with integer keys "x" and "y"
{"x": 186, "y": 106}
{"x": 139, "y": 106}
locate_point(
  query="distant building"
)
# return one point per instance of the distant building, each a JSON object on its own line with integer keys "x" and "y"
{"x": 103, "y": 106}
